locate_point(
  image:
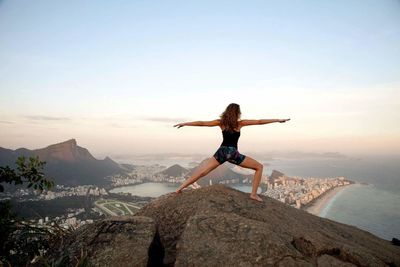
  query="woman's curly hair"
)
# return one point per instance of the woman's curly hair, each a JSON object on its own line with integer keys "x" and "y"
{"x": 230, "y": 117}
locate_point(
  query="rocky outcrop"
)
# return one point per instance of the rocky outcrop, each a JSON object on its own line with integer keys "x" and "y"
{"x": 122, "y": 241}
{"x": 218, "y": 225}
{"x": 221, "y": 226}
{"x": 227, "y": 239}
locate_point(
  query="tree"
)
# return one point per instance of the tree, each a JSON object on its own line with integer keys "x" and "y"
{"x": 19, "y": 241}
{"x": 30, "y": 172}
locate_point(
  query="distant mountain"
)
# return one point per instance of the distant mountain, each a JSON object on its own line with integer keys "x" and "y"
{"x": 128, "y": 166}
{"x": 275, "y": 175}
{"x": 222, "y": 172}
{"x": 175, "y": 170}
{"x": 67, "y": 151}
{"x": 67, "y": 163}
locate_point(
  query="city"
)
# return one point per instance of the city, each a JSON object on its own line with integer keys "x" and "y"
{"x": 295, "y": 191}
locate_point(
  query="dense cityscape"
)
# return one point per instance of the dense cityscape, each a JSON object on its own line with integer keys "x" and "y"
{"x": 295, "y": 191}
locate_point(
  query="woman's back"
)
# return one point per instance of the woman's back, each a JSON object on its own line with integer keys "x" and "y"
{"x": 230, "y": 138}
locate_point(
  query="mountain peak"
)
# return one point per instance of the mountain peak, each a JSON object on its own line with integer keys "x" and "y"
{"x": 107, "y": 158}
{"x": 64, "y": 151}
{"x": 210, "y": 225}
{"x": 68, "y": 144}
{"x": 71, "y": 141}
{"x": 221, "y": 226}
{"x": 67, "y": 163}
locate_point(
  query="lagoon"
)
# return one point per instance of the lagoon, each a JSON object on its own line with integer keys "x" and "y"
{"x": 151, "y": 189}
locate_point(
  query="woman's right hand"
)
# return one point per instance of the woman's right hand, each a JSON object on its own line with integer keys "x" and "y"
{"x": 179, "y": 125}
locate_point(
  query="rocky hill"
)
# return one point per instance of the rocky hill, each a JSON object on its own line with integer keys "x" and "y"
{"x": 175, "y": 170}
{"x": 221, "y": 226}
{"x": 67, "y": 163}
{"x": 275, "y": 175}
{"x": 221, "y": 173}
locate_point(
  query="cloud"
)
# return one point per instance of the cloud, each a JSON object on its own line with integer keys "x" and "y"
{"x": 163, "y": 119}
{"x": 46, "y": 118}
{"x": 6, "y": 122}
{"x": 115, "y": 125}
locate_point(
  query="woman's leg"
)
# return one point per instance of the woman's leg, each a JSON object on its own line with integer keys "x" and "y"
{"x": 201, "y": 171}
{"x": 251, "y": 163}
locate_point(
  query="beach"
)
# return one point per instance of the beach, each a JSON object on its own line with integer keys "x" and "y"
{"x": 320, "y": 202}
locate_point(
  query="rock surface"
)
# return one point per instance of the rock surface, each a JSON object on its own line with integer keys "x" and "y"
{"x": 218, "y": 225}
{"x": 125, "y": 240}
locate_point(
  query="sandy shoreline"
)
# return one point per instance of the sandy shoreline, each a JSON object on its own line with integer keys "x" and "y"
{"x": 320, "y": 203}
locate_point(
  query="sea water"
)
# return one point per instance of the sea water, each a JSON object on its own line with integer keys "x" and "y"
{"x": 157, "y": 189}
{"x": 366, "y": 207}
{"x": 374, "y": 207}
{"x": 146, "y": 189}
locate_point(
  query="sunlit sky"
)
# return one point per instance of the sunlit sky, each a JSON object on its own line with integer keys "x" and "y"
{"x": 117, "y": 75}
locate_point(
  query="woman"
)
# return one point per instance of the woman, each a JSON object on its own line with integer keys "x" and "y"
{"x": 230, "y": 125}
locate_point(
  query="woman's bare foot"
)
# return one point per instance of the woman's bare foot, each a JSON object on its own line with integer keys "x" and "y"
{"x": 256, "y": 197}
{"x": 178, "y": 191}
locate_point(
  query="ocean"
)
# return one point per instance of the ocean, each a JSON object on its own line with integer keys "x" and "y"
{"x": 157, "y": 189}
{"x": 366, "y": 207}
{"x": 374, "y": 207}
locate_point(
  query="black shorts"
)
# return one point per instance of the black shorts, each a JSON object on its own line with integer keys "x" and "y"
{"x": 228, "y": 153}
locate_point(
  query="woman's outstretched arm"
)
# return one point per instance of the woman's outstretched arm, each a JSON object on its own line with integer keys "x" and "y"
{"x": 199, "y": 123}
{"x": 262, "y": 121}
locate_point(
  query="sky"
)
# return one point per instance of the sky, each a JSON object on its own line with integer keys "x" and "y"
{"x": 117, "y": 75}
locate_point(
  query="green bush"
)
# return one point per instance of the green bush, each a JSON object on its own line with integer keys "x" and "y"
{"x": 19, "y": 241}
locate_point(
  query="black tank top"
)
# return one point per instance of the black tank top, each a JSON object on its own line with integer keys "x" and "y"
{"x": 230, "y": 138}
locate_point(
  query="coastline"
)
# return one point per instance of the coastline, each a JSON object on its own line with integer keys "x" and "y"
{"x": 317, "y": 205}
